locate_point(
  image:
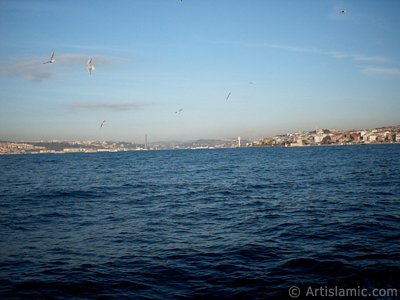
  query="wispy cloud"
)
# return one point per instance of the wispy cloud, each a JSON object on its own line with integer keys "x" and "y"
{"x": 312, "y": 50}
{"x": 110, "y": 106}
{"x": 390, "y": 72}
{"x": 378, "y": 59}
{"x": 293, "y": 48}
{"x": 390, "y": 68}
{"x": 33, "y": 69}
{"x": 30, "y": 69}
{"x": 79, "y": 58}
{"x": 333, "y": 54}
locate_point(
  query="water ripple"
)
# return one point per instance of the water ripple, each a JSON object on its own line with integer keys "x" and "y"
{"x": 218, "y": 224}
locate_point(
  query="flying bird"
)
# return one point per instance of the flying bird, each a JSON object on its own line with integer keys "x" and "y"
{"x": 52, "y": 59}
{"x": 102, "y": 123}
{"x": 227, "y": 97}
{"x": 90, "y": 66}
{"x": 251, "y": 82}
{"x": 343, "y": 12}
{"x": 179, "y": 111}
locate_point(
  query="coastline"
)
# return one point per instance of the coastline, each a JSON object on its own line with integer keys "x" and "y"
{"x": 318, "y": 137}
{"x": 91, "y": 151}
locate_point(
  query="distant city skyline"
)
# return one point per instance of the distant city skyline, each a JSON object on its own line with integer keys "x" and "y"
{"x": 231, "y": 68}
{"x": 319, "y": 137}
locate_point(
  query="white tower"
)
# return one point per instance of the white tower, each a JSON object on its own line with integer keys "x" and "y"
{"x": 239, "y": 141}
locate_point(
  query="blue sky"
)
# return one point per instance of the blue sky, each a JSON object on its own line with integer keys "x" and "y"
{"x": 289, "y": 65}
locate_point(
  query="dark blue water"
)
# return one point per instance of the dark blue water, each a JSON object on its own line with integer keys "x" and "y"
{"x": 219, "y": 224}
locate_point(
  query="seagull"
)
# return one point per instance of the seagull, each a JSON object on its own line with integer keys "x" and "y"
{"x": 90, "y": 66}
{"x": 102, "y": 123}
{"x": 179, "y": 111}
{"x": 227, "y": 97}
{"x": 52, "y": 59}
{"x": 251, "y": 82}
{"x": 343, "y": 11}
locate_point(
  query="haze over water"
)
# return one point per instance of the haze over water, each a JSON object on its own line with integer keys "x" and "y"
{"x": 228, "y": 223}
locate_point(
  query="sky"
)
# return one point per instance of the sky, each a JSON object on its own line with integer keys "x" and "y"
{"x": 288, "y": 66}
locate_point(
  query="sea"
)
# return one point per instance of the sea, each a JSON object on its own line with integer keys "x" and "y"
{"x": 244, "y": 223}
